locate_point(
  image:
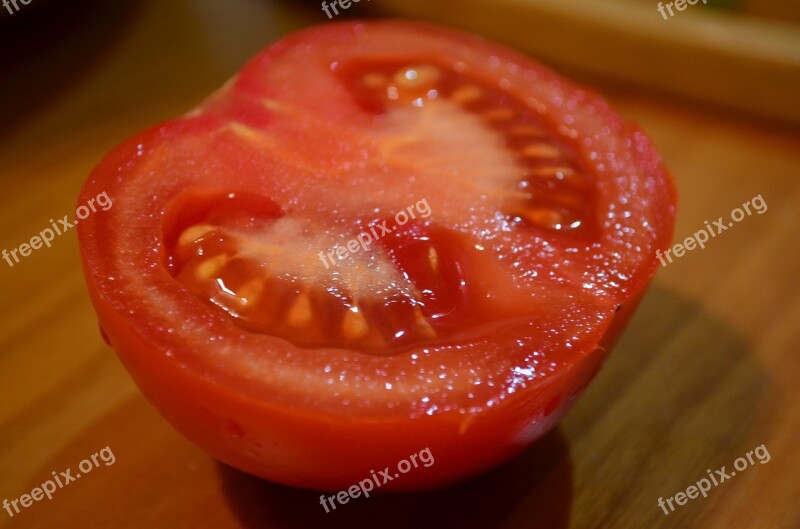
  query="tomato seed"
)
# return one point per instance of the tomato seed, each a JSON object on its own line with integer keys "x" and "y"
{"x": 210, "y": 268}
{"x": 466, "y": 94}
{"x": 544, "y": 218}
{"x": 354, "y": 324}
{"x": 498, "y": 114}
{"x": 433, "y": 258}
{"x": 250, "y": 292}
{"x": 417, "y": 77}
{"x": 422, "y": 326}
{"x": 541, "y": 150}
{"x": 375, "y": 80}
{"x": 194, "y": 233}
{"x": 528, "y": 131}
{"x": 300, "y": 314}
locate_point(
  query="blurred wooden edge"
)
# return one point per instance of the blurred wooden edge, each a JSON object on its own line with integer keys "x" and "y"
{"x": 725, "y": 59}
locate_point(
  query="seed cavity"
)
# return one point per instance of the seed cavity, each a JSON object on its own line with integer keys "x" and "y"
{"x": 235, "y": 273}
{"x": 550, "y": 176}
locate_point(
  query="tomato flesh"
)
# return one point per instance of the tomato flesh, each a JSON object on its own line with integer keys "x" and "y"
{"x": 233, "y": 270}
{"x": 220, "y": 277}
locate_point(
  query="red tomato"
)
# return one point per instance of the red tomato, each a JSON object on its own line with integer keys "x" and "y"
{"x": 234, "y": 279}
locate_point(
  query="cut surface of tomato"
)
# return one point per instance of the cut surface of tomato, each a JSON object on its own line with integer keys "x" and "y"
{"x": 379, "y": 236}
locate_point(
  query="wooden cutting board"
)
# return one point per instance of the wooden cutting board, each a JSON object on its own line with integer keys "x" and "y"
{"x": 729, "y": 58}
{"x": 707, "y": 371}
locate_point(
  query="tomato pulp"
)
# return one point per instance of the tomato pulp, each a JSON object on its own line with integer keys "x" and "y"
{"x": 235, "y": 281}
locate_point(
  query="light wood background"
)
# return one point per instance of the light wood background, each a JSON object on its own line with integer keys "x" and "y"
{"x": 708, "y": 369}
{"x": 738, "y": 58}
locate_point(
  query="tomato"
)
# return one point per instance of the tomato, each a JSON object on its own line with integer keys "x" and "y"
{"x": 379, "y": 237}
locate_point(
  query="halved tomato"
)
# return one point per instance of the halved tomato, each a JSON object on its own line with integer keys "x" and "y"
{"x": 378, "y": 237}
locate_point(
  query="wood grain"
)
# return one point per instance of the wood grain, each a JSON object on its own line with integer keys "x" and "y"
{"x": 707, "y": 371}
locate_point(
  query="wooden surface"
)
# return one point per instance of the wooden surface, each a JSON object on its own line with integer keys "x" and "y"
{"x": 707, "y": 371}
{"x": 730, "y": 58}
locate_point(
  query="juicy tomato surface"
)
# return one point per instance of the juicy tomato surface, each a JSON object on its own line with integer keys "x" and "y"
{"x": 227, "y": 280}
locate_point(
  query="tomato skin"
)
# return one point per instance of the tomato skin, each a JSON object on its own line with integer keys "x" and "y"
{"x": 313, "y": 447}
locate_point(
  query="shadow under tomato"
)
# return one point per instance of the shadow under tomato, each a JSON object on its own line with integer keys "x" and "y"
{"x": 682, "y": 392}
{"x": 533, "y": 490}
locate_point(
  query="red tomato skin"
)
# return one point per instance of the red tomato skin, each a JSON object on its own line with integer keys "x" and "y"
{"x": 283, "y": 445}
